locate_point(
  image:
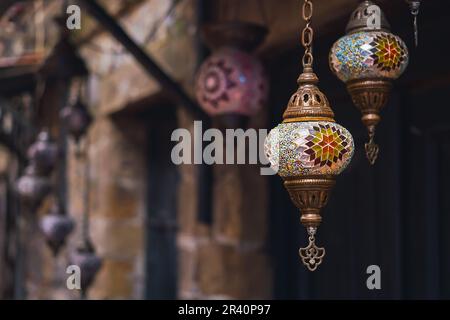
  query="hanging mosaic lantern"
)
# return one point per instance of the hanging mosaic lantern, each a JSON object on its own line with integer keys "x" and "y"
{"x": 56, "y": 226}
{"x": 76, "y": 118}
{"x": 367, "y": 59}
{"x": 43, "y": 153}
{"x": 309, "y": 149}
{"x": 232, "y": 82}
{"x": 32, "y": 188}
{"x": 89, "y": 264}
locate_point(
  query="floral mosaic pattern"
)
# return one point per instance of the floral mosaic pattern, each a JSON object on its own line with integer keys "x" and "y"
{"x": 368, "y": 55}
{"x": 387, "y": 52}
{"x": 231, "y": 80}
{"x": 305, "y": 148}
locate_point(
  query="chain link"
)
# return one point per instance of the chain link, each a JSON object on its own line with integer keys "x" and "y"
{"x": 307, "y": 33}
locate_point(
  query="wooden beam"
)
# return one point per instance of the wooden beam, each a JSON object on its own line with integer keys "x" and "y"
{"x": 152, "y": 68}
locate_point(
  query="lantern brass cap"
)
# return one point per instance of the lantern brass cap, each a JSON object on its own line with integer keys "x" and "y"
{"x": 360, "y": 17}
{"x": 308, "y": 103}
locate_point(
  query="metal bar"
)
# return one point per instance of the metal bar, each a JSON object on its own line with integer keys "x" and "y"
{"x": 152, "y": 68}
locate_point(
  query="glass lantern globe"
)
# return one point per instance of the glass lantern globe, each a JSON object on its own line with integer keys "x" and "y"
{"x": 232, "y": 81}
{"x": 308, "y": 150}
{"x": 367, "y": 59}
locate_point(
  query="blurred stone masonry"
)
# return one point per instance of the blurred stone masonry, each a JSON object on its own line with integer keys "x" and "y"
{"x": 225, "y": 260}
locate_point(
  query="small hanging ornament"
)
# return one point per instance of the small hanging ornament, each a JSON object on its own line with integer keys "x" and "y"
{"x": 308, "y": 149}
{"x": 84, "y": 256}
{"x": 32, "y": 188}
{"x": 367, "y": 59}
{"x": 232, "y": 84}
{"x": 89, "y": 263}
{"x": 76, "y": 119}
{"x": 414, "y": 6}
{"x": 56, "y": 226}
{"x": 43, "y": 153}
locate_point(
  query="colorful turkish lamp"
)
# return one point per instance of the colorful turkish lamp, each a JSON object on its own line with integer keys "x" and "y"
{"x": 368, "y": 58}
{"x": 56, "y": 227}
{"x": 231, "y": 83}
{"x": 309, "y": 149}
{"x": 43, "y": 153}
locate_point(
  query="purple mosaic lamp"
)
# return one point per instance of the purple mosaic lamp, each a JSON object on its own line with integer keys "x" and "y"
{"x": 231, "y": 83}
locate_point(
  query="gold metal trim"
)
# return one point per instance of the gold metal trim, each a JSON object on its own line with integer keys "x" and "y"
{"x": 306, "y": 119}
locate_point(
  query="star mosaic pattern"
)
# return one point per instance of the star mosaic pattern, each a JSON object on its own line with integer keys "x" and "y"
{"x": 368, "y": 55}
{"x": 309, "y": 148}
{"x": 326, "y": 144}
{"x": 388, "y": 53}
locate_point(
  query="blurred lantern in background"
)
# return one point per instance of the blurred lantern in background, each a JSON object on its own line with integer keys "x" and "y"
{"x": 309, "y": 148}
{"x": 32, "y": 188}
{"x": 43, "y": 153}
{"x": 89, "y": 264}
{"x": 231, "y": 83}
{"x": 76, "y": 119}
{"x": 367, "y": 59}
{"x": 56, "y": 226}
{"x": 35, "y": 184}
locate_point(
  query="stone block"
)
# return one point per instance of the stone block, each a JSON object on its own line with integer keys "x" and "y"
{"x": 225, "y": 270}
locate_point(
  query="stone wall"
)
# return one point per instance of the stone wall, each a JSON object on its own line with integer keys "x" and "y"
{"x": 224, "y": 260}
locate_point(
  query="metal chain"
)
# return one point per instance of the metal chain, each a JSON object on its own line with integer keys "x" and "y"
{"x": 307, "y": 33}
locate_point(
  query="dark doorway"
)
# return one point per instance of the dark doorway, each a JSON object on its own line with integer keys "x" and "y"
{"x": 161, "y": 264}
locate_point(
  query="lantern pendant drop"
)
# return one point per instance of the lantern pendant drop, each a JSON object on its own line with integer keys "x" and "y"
{"x": 308, "y": 149}
{"x": 367, "y": 59}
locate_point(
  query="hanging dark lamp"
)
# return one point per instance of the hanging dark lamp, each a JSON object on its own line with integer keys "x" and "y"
{"x": 76, "y": 119}
{"x": 89, "y": 263}
{"x": 32, "y": 188}
{"x": 56, "y": 227}
{"x": 43, "y": 153}
{"x": 309, "y": 149}
{"x": 85, "y": 256}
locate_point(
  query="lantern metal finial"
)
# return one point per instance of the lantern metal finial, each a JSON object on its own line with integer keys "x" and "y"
{"x": 308, "y": 149}
{"x": 367, "y": 17}
{"x": 414, "y": 6}
{"x": 367, "y": 59}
